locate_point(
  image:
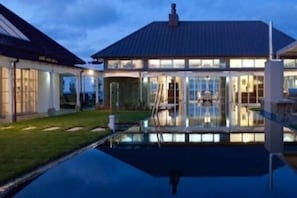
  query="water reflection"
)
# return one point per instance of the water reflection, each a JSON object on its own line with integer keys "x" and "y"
{"x": 205, "y": 153}
{"x": 207, "y": 116}
{"x": 236, "y": 162}
{"x": 179, "y": 162}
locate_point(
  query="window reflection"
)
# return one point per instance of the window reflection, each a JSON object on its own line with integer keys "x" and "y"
{"x": 247, "y": 63}
{"x": 207, "y": 63}
{"x": 124, "y": 64}
{"x": 166, "y": 63}
{"x": 290, "y": 62}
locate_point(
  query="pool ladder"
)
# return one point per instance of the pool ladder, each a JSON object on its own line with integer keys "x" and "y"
{"x": 155, "y": 111}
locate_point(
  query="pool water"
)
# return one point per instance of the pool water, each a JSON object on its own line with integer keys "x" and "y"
{"x": 197, "y": 155}
{"x": 167, "y": 171}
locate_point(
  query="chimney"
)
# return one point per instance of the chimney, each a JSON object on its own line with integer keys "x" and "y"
{"x": 173, "y": 17}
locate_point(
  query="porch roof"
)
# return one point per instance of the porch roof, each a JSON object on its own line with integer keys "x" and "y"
{"x": 289, "y": 51}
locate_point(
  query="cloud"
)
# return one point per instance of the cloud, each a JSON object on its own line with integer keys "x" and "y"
{"x": 87, "y": 26}
{"x": 63, "y": 32}
{"x": 90, "y": 13}
{"x": 76, "y": 13}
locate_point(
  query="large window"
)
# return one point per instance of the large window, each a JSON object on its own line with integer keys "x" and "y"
{"x": 124, "y": 64}
{"x": 3, "y": 91}
{"x": 207, "y": 63}
{"x": 247, "y": 89}
{"x": 166, "y": 63}
{"x": 26, "y": 90}
{"x": 200, "y": 87}
{"x": 290, "y": 62}
{"x": 247, "y": 63}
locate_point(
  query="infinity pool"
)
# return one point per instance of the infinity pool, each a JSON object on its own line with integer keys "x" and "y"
{"x": 168, "y": 171}
{"x": 186, "y": 160}
{"x": 98, "y": 174}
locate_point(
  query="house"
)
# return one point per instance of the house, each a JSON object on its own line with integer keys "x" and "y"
{"x": 212, "y": 65}
{"x": 30, "y": 67}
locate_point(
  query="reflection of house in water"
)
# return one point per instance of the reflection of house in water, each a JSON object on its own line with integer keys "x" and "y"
{"x": 196, "y": 62}
{"x": 204, "y": 153}
{"x": 176, "y": 162}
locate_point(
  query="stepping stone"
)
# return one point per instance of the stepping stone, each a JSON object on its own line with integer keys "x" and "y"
{"x": 98, "y": 129}
{"x": 51, "y": 129}
{"x": 75, "y": 129}
{"x": 29, "y": 128}
{"x": 6, "y": 127}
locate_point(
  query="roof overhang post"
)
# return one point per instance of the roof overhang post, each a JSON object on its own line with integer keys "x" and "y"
{"x": 14, "y": 98}
{"x": 78, "y": 86}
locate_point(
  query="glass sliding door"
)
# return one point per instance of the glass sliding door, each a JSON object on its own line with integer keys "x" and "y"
{"x": 4, "y": 91}
{"x": 247, "y": 89}
{"x": 172, "y": 88}
{"x": 205, "y": 95}
{"x": 26, "y": 95}
{"x": 203, "y": 89}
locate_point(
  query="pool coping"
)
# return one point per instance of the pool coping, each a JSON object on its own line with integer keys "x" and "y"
{"x": 6, "y": 188}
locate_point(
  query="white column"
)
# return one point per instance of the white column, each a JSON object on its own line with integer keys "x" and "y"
{"x": 140, "y": 88}
{"x": 257, "y": 89}
{"x": 273, "y": 89}
{"x": 247, "y": 89}
{"x": 78, "y": 90}
{"x": 10, "y": 94}
{"x": 273, "y": 136}
{"x": 51, "y": 109}
{"x": 51, "y": 89}
{"x": 230, "y": 99}
{"x": 96, "y": 91}
{"x": 230, "y": 88}
{"x": 185, "y": 93}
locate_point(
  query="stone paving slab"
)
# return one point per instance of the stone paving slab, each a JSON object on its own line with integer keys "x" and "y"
{"x": 98, "y": 129}
{"x": 6, "y": 127}
{"x": 29, "y": 128}
{"x": 74, "y": 129}
{"x": 51, "y": 128}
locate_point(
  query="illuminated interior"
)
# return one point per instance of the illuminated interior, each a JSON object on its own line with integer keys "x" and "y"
{"x": 26, "y": 91}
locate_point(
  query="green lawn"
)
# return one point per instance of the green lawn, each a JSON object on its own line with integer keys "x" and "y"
{"x": 23, "y": 150}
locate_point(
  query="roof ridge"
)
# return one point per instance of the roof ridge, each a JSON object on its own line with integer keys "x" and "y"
{"x": 38, "y": 40}
{"x": 237, "y": 38}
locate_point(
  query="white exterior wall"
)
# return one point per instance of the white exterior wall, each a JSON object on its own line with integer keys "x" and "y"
{"x": 273, "y": 83}
{"x": 273, "y": 136}
{"x": 57, "y": 91}
{"x": 44, "y": 92}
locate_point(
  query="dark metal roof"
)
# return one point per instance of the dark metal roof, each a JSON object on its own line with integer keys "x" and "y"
{"x": 198, "y": 39}
{"x": 38, "y": 47}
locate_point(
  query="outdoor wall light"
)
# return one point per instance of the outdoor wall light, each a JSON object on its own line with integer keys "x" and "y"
{"x": 187, "y": 122}
{"x": 145, "y": 123}
{"x": 47, "y": 77}
{"x": 227, "y": 122}
{"x": 91, "y": 72}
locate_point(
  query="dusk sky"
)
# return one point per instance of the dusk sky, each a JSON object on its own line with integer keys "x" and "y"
{"x": 87, "y": 26}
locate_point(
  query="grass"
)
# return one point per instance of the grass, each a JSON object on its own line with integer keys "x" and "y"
{"x": 24, "y": 150}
